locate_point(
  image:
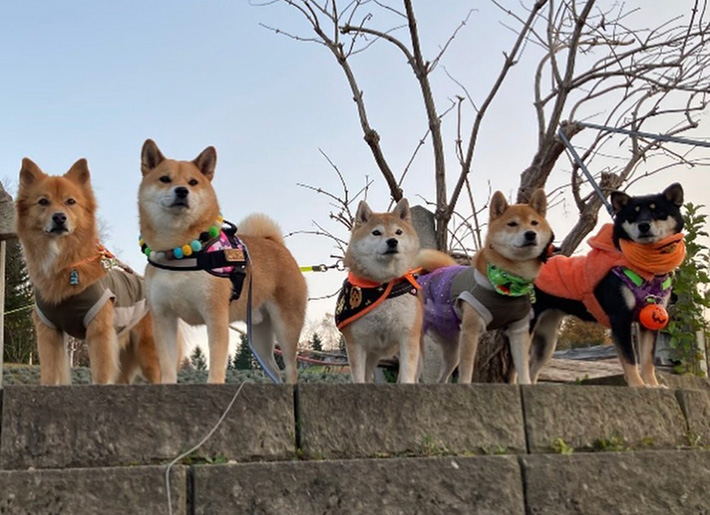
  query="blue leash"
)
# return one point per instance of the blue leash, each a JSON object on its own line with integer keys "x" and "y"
{"x": 273, "y": 374}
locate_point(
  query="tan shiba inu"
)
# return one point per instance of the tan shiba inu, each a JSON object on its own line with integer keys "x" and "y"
{"x": 74, "y": 293}
{"x": 178, "y": 208}
{"x": 377, "y": 310}
{"x": 462, "y": 303}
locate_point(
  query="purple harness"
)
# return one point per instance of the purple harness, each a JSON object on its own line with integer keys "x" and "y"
{"x": 655, "y": 291}
{"x": 438, "y": 310}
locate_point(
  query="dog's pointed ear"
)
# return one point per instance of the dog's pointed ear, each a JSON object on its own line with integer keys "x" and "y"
{"x": 538, "y": 202}
{"x": 674, "y": 194}
{"x": 402, "y": 210}
{"x": 206, "y": 162}
{"x": 79, "y": 172}
{"x": 498, "y": 205}
{"x": 619, "y": 199}
{"x": 151, "y": 156}
{"x": 29, "y": 172}
{"x": 363, "y": 213}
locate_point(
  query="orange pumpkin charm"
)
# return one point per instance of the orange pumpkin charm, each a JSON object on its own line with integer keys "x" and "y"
{"x": 653, "y": 317}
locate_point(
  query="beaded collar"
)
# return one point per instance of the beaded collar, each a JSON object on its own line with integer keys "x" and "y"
{"x": 184, "y": 250}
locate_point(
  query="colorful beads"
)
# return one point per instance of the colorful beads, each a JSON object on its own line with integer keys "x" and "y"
{"x": 183, "y": 250}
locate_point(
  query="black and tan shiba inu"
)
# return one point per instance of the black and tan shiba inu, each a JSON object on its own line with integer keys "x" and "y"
{"x": 629, "y": 267}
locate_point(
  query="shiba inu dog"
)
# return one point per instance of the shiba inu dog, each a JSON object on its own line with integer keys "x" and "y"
{"x": 180, "y": 224}
{"x": 74, "y": 293}
{"x": 461, "y": 303}
{"x": 629, "y": 267}
{"x": 377, "y": 310}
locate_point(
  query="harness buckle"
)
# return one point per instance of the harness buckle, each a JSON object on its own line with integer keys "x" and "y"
{"x": 237, "y": 278}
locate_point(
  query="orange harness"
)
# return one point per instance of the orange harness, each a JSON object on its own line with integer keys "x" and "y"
{"x": 359, "y": 296}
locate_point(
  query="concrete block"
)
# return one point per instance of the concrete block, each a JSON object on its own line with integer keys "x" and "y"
{"x": 696, "y": 405}
{"x": 358, "y": 421}
{"x": 7, "y": 215}
{"x": 485, "y": 485}
{"x": 108, "y": 491}
{"x": 650, "y": 482}
{"x": 588, "y": 417}
{"x": 424, "y": 223}
{"x": 92, "y": 426}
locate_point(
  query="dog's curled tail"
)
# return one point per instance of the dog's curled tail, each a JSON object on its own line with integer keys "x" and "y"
{"x": 261, "y": 226}
{"x": 430, "y": 259}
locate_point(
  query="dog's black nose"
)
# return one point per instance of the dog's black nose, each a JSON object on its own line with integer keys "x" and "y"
{"x": 644, "y": 227}
{"x": 181, "y": 192}
{"x": 530, "y": 235}
{"x": 392, "y": 243}
{"x": 59, "y": 218}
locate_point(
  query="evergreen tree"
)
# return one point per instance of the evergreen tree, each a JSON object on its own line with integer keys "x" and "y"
{"x": 19, "y": 332}
{"x": 197, "y": 359}
{"x": 243, "y": 359}
{"x": 316, "y": 342}
{"x": 230, "y": 362}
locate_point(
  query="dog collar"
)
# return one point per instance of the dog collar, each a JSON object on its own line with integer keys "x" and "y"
{"x": 183, "y": 250}
{"x": 509, "y": 284}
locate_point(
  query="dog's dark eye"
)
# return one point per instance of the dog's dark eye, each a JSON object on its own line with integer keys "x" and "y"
{"x": 512, "y": 224}
{"x": 376, "y": 233}
{"x": 71, "y": 202}
{"x": 398, "y": 232}
{"x": 43, "y": 202}
{"x": 534, "y": 222}
{"x": 193, "y": 182}
{"x": 166, "y": 179}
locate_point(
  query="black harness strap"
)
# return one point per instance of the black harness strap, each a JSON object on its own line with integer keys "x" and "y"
{"x": 234, "y": 257}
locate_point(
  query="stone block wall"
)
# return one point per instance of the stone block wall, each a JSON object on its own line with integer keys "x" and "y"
{"x": 318, "y": 448}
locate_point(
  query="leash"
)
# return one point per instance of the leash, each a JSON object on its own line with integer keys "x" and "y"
{"x": 628, "y": 132}
{"x": 338, "y": 265}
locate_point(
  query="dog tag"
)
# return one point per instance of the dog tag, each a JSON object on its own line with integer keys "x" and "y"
{"x": 74, "y": 277}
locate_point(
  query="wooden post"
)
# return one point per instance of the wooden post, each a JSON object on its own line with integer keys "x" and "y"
{"x": 7, "y": 232}
{"x": 3, "y": 245}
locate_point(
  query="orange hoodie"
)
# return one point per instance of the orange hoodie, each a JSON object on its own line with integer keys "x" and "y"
{"x": 576, "y": 277}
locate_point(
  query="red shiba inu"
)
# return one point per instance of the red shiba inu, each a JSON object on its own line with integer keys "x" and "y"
{"x": 74, "y": 293}
{"x": 377, "y": 310}
{"x": 197, "y": 267}
{"x": 463, "y": 302}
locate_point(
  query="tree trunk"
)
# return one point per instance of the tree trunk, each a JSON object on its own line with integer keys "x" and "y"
{"x": 493, "y": 361}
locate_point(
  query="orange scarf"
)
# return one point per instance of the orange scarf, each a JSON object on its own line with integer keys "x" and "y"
{"x": 657, "y": 258}
{"x": 366, "y": 283}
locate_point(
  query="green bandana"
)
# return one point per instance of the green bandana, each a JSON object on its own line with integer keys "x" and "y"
{"x": 506, "y": 283}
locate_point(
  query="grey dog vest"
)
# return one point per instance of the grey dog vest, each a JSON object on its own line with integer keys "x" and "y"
{"x": 74, "y": 314}
{"x": 497, "y": 310}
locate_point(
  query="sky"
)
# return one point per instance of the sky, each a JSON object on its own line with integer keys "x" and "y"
{"x": 95, "y": 79}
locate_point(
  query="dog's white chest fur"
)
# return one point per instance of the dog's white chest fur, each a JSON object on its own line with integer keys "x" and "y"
{"x": 182, "y": 293}
{"x": 384, "y": 327}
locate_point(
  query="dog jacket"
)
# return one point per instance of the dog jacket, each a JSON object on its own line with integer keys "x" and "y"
{"x": 358, "y": 297}
{"x": 576, "y": 277}
{"x": 74, "y": 314}
{"x": 445, "y": 288}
